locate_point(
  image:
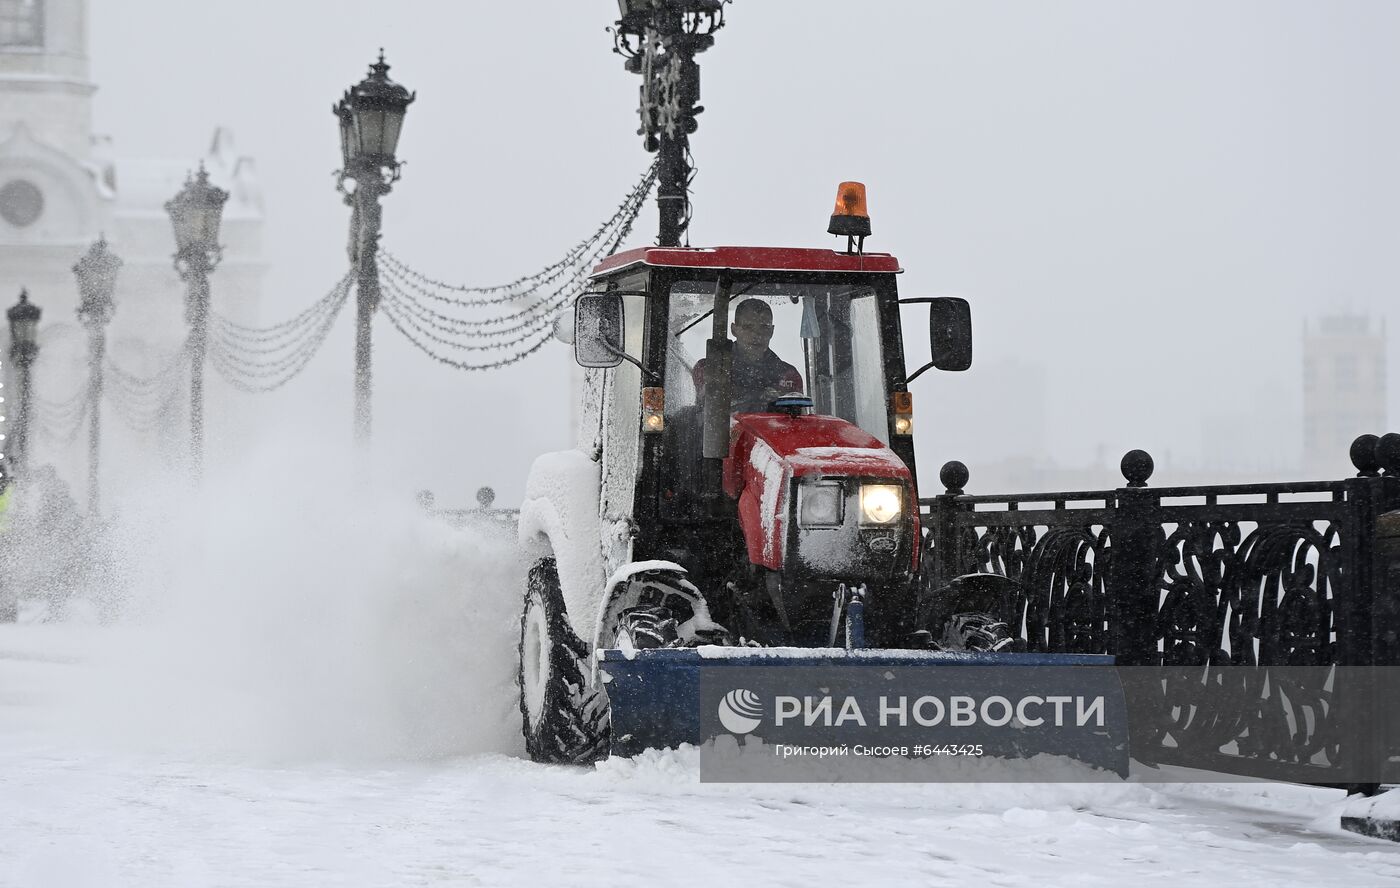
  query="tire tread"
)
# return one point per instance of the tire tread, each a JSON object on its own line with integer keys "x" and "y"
{"x": 574, "y": 729}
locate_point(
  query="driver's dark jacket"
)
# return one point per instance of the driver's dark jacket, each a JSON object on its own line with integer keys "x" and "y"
{"x": 749, "y": 380}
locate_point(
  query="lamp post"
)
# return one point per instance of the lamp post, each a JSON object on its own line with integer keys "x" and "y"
{"x": 96, "y": 272}
{"x": 659, "y": 40}
{"x": 371, "y": 117}
{"x": 195, "y": 214}
{"x": 24, "y": 348}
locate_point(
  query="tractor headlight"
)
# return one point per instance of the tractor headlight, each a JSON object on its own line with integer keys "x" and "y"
{"x": 880, "y": 503}
{"x": 820, "y": 504}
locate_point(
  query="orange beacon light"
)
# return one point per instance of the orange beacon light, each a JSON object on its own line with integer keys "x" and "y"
{"x": 850, "y": 217}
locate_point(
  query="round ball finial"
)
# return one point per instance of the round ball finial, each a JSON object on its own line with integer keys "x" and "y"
{"x": 485, "y": 496}
{"x": 1137, "y": 466}
{"x": 1365, "y": 457}
{"x": 954, "y": 476}
{"x": 1388, "y": 453}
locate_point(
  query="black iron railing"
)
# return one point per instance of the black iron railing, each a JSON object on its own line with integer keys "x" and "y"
{"x": 1257, "y": 612}
{"x": 484, "y": 516}
{"x": 502, "y": 518}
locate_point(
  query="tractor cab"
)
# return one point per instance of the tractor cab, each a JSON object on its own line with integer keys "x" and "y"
{"x": 769, "y": 445}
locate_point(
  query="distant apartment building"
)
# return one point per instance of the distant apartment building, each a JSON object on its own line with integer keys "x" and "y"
{"x": 1344, "y": 372}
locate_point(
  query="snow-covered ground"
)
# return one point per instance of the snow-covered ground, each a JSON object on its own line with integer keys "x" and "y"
{"x": 75, "y": 812}
{"x": 311, "y": 697}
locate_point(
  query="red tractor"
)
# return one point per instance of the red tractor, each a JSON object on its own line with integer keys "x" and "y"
{"x": 749, "y": 492}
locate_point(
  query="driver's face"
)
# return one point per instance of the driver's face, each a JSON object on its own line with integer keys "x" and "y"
{"x": 752, "y": 330}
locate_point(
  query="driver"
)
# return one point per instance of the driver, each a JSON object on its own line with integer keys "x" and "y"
{"x": 757, "y": 375}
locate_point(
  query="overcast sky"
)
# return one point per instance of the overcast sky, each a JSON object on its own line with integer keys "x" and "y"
{"x": 1143, "y": 201}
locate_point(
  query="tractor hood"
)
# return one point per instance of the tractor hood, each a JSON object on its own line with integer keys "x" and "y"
{"x": 769, "y": 451}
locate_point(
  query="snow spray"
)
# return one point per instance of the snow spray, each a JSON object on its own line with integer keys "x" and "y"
{"x": 290, "y": 611}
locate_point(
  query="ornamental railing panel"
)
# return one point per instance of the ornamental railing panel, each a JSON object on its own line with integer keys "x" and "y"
{"x": 1255, "y": 624}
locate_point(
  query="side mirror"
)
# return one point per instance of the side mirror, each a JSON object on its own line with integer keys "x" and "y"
{"x": 950, "y": 333}
{"x": 598, "y": 330}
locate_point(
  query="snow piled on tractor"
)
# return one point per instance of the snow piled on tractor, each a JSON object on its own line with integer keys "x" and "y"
{"x": 559, "y": 514}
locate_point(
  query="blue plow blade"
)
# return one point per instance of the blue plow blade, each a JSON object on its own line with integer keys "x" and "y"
{"x": 662, "y": 698}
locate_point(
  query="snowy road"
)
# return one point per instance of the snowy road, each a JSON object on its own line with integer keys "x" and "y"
{"x": 271, "y": 711}
{"x": 80, "y": 807}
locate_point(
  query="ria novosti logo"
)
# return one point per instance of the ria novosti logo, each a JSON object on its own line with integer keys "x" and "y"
{"x": 740, "y": 711}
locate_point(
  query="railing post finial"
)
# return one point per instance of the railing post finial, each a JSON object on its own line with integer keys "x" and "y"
{"x": 954, "y": 476}
{"x": 1365, "y": 455}
{"x": 1137, "y": 466}
{"x": 1388, "y": 453}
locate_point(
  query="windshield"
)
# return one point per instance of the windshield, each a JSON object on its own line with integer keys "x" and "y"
{"x": 817, "y": 339}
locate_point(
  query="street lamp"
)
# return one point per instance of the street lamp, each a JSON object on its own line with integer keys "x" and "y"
{"x": 96, "y": 272}
{"x": 195, "y": 214}
{"x": 659, "y": 40}
{"x": 371, "y": 118}
{"x": 24, "y": 349}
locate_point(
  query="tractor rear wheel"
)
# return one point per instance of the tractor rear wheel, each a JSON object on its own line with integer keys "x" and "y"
{"x": 564, "y": 720}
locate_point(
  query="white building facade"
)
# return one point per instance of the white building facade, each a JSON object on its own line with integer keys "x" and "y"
{"x": 61, "y": 188}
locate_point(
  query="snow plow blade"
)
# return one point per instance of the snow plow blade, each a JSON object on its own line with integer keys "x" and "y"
{"x": 661, "y": 698}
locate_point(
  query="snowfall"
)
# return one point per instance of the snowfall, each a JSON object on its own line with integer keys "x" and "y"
{"x": 297, "y": 688}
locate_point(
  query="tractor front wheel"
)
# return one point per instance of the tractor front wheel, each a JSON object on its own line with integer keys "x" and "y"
{"x": 977, "y": 632}
{"x": 564, "y": 720}
{"x": 646, "y": 628}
